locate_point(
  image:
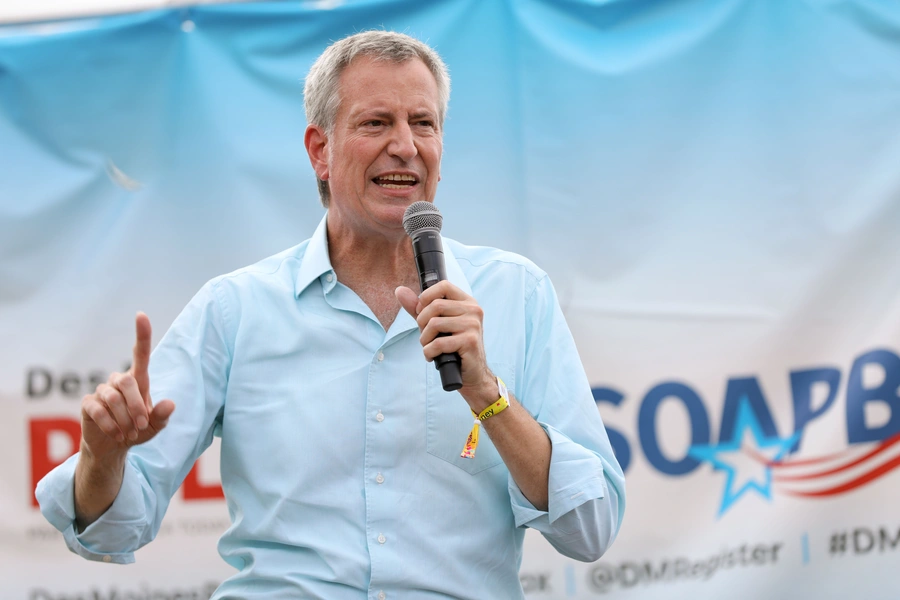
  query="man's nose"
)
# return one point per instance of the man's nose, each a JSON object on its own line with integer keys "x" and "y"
{"x": 402, "y": 143}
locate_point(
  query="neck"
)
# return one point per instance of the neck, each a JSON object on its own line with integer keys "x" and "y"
{"x": 373, "y": 266}
{"x": 381, "y": 258}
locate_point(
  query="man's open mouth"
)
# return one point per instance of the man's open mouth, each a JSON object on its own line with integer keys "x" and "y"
{"x": 396, "y": 182}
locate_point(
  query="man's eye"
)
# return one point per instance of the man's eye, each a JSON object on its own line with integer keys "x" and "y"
{"x": 374, "y": 123}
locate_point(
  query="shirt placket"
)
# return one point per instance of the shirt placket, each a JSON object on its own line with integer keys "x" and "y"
{"x": 380, "y": 429}
{"x": 390, "y": 419}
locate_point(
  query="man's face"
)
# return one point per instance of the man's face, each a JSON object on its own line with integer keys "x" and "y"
{"x": 385, "y": 151}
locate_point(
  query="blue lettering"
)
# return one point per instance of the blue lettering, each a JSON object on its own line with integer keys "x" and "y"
{"x": 616, "y": 439}
{"x": 739, "y": 389}
{"x": 647, "y": 426}
{"x": 802, "y": 383}
{"x": 858, "y": 396}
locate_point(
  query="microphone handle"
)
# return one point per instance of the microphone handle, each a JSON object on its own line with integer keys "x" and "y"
{"x": 430, "y": 264}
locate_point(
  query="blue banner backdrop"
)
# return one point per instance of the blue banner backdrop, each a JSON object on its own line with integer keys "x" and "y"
{"x": 713, "y": 185}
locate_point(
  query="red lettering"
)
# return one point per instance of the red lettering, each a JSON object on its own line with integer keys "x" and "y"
{"x": 41, "y": 461}
{"x": 194, "y": 489}
{"x": 41, "y": 430}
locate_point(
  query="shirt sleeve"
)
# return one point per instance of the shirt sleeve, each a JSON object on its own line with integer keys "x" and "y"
{"x": 189, "y": 366}
{"x": 122, "y": 526}
{"x": 586, "y": 484}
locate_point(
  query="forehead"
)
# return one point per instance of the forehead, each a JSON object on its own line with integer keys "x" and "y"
{"x": 369, "y": 82}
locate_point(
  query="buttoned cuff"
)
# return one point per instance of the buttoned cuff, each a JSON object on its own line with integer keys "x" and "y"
{"x": 576, "y": 477}
{"x": 115, "y": 535}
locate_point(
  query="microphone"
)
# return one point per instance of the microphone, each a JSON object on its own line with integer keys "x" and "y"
{"x": 422, "y": 222}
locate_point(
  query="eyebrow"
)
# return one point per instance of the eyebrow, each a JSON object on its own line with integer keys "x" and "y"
{"x": 380, "y": 113}
{"x": 423, "y": 114}
{"x": 386, "y": 114}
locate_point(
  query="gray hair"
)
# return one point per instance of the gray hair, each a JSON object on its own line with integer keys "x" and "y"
{"x": 321, "y": 97}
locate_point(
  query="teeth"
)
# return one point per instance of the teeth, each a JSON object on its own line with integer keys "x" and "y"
{"x": 397, "y": 177}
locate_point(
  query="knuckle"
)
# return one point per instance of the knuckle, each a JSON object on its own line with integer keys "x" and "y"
{"x": 112, "y": 397}
{"x": 90, "y": 409}
{"x": 128, "y": 380}
{"x": 103, "y": 393}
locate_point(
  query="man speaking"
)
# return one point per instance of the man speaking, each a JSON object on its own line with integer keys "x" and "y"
{"x": 348, "y": 471}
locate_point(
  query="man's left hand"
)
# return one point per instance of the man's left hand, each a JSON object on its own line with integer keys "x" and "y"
{"x": 444, "y": 308}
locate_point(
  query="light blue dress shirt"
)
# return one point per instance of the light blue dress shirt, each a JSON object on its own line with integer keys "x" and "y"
{"x": 340, "y": 450}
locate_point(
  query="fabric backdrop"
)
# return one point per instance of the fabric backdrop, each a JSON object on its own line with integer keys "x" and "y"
{"x": 713, "y": 186}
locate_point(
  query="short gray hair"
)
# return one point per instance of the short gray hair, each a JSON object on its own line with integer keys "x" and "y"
{"x": 321, "y": 97}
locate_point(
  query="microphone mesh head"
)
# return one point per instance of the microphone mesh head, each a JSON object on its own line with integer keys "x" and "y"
{"x": 421, "y": 215}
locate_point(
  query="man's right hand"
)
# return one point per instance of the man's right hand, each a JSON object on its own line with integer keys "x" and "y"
{"x": 118, "y": 415}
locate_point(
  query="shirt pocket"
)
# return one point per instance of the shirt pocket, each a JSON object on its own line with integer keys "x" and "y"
{"x": 448, "y": 421}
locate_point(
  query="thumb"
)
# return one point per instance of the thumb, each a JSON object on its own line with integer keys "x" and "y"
{"x": 159, "y": 416}
{"x": 408, "y": 300}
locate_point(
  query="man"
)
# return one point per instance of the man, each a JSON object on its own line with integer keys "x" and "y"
{"x": 341, "y": 454}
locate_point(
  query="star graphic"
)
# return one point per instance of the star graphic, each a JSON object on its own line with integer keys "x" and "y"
{"x": 773, "y": 448}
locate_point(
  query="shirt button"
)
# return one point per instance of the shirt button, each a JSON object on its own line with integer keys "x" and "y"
{"x": 379, "y": 417}
{"x": 379, "y": 478}
{"x": 380, "y": 356}
{"x": 381, "y": 538}
{"x": 329, "y": 278}
{"x": 107, "y": 558}
{"x": 381, "y": 596}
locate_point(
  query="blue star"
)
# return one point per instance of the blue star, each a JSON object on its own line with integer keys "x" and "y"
{"x": 711, "y": 454}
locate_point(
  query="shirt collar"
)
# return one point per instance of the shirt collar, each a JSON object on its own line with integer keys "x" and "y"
{"x": 316, "y": 262}
{"x": 454, "y": 271}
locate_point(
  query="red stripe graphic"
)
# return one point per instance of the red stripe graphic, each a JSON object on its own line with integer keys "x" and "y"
{"x": 881, "y": 448}
{"x": 852, "y": 484}
{"x": 870, "y": 471}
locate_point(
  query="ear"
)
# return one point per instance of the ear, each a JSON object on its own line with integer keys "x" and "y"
{"x": 317, "y": 148}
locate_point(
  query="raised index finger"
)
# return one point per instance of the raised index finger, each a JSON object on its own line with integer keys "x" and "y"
{"x": 141, "y": 354}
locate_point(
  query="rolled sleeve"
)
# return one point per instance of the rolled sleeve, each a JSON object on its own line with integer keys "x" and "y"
{"x": 111, "y": 538}
{"x": 586, "y": 493}
{"x": 579, "y": 520}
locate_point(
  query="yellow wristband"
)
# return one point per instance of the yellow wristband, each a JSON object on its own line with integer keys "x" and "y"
{"x": 495, "y": 408}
